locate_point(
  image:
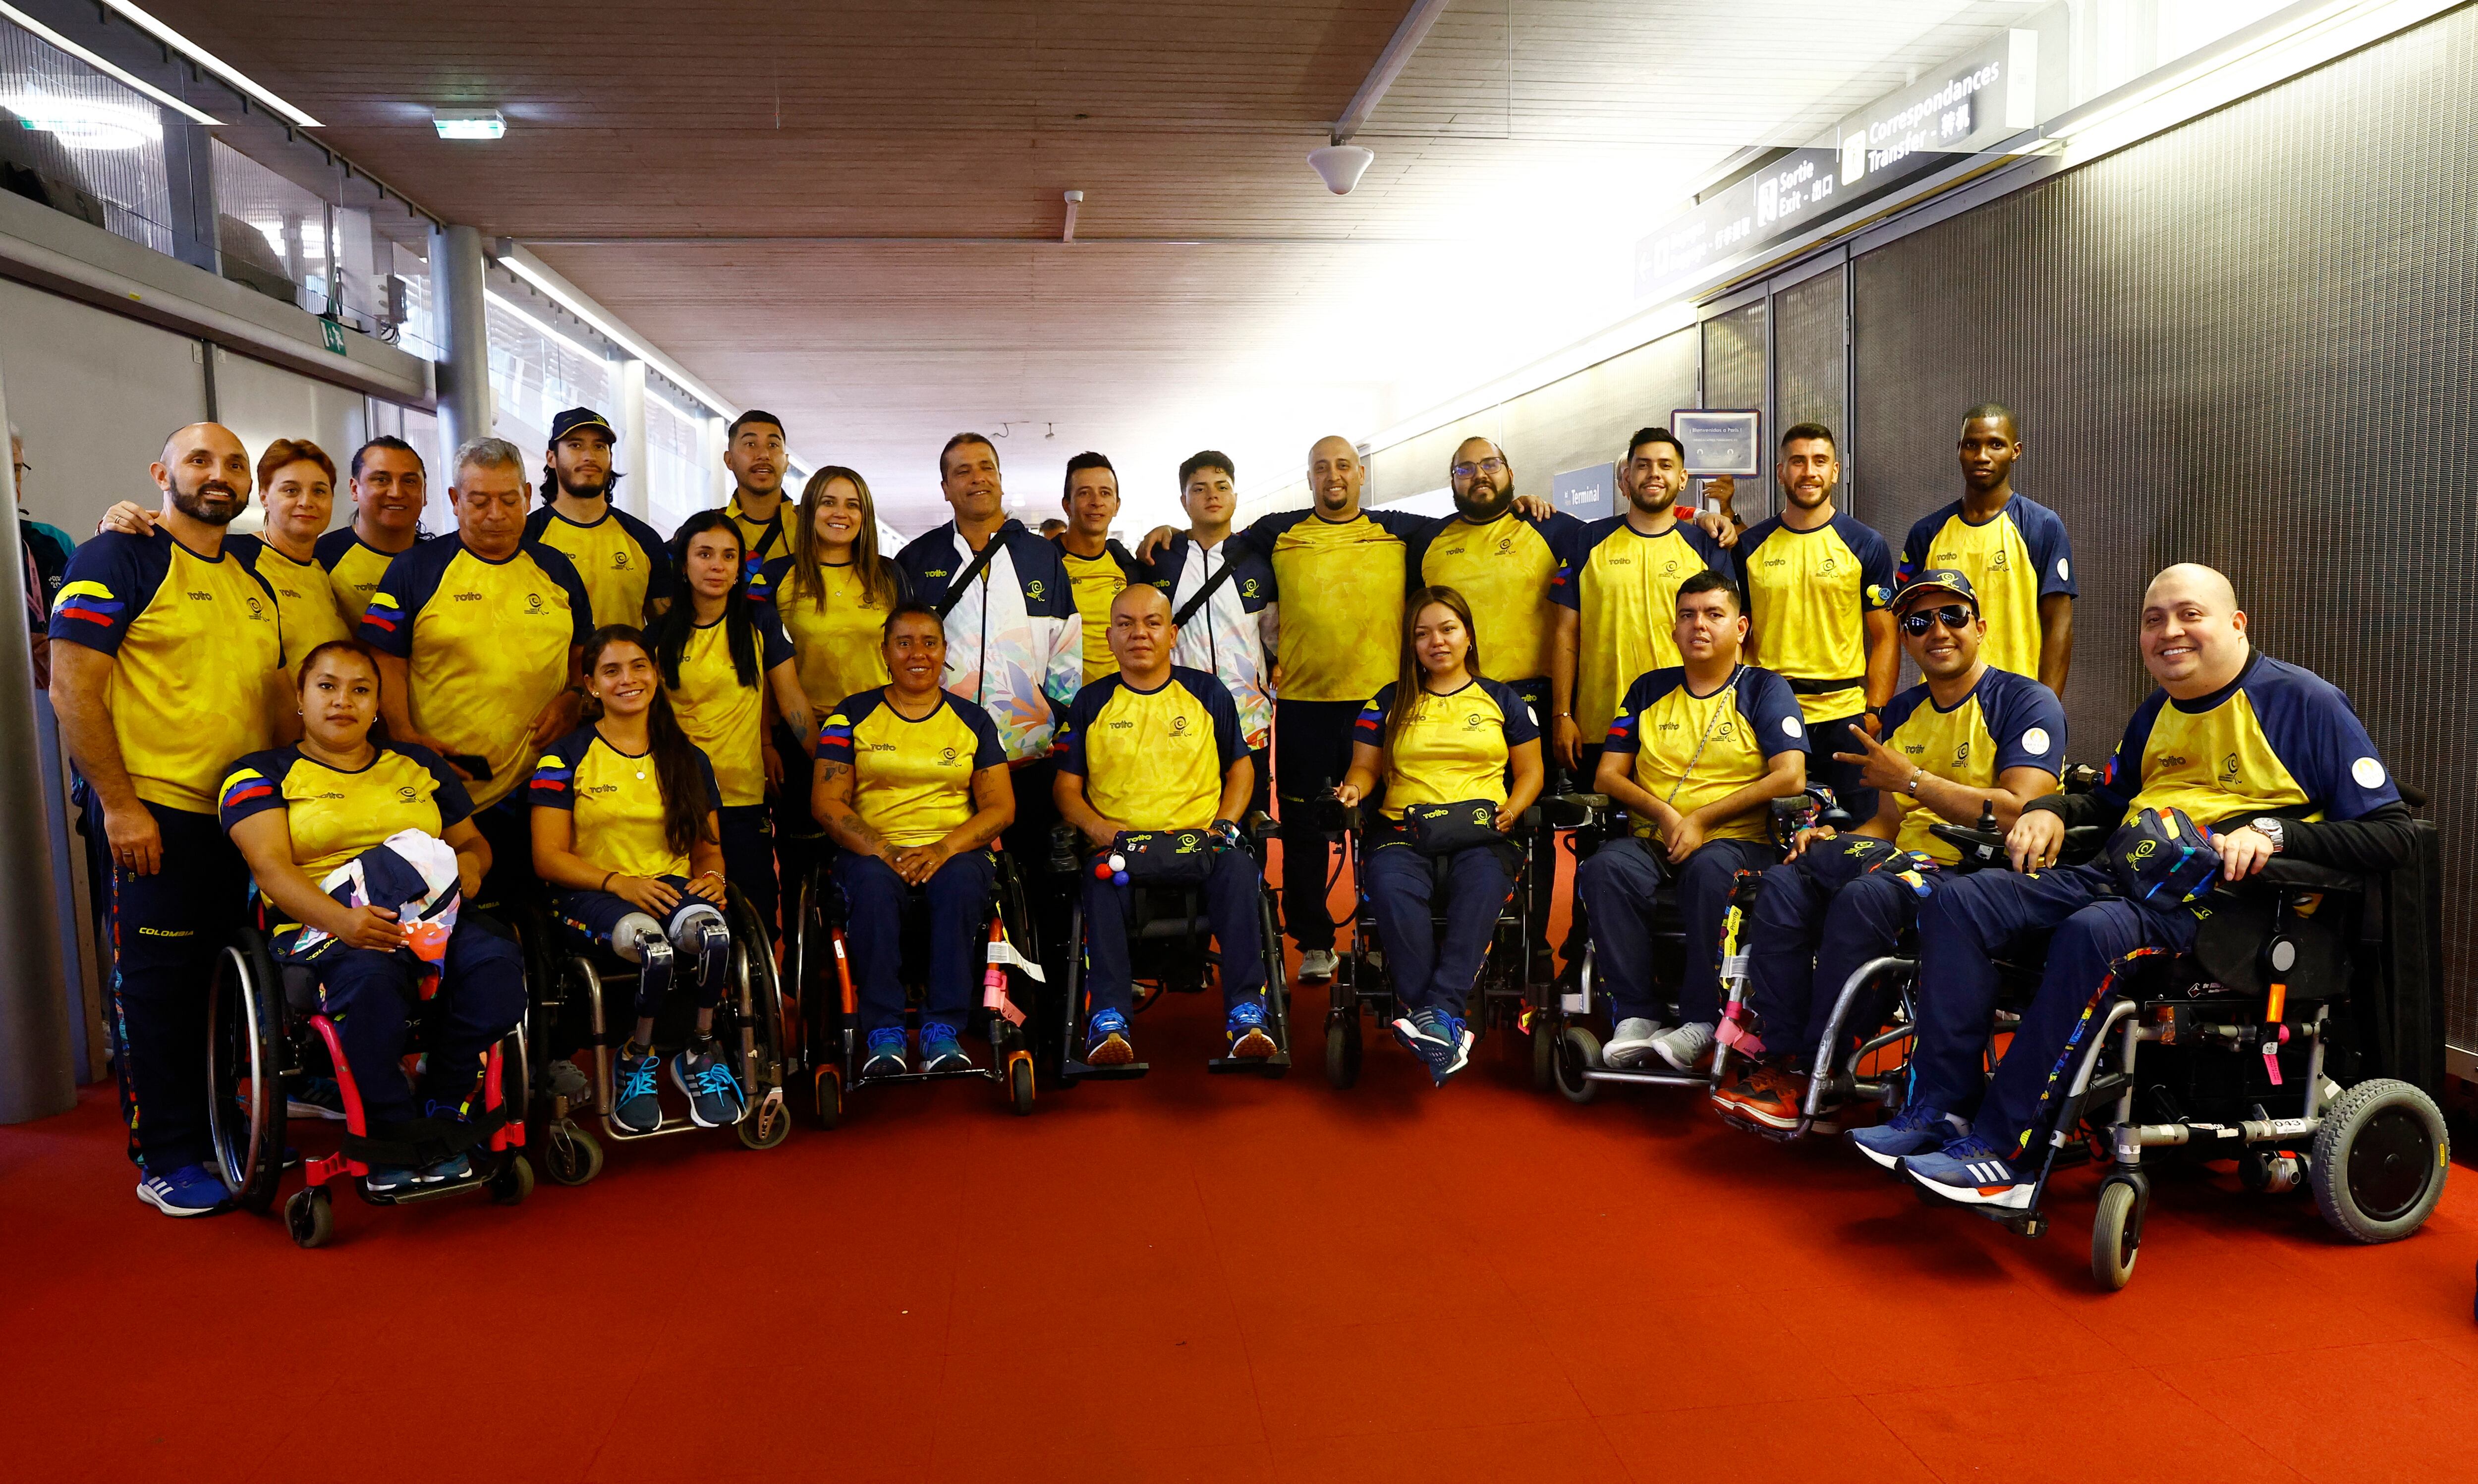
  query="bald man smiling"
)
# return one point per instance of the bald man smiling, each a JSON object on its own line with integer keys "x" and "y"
{"x": 2269, "y": 758}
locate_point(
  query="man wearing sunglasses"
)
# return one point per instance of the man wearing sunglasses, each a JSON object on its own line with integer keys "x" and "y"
{"x": 1968, "y": 736}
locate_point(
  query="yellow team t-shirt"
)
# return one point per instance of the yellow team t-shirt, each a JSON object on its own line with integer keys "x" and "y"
{"x": 1691, "y": 750}
{"x": 912, "y": 781}
{"x": 1507, "y": 570}
{"x": 1342, "y": 631}
{"x": 1453, "y": 747}
{"x": 196, "y": 641}
{"x": 303, "y": 595}
{"x": 1623, "y": 586}
{"x": 721, "y": 714}
{"x": 620, "y": 559}
{"x": 334, "y": 813}
{"x": 1153, "y": 760}
{"x": 2012, "y": 559}
{"x": 2006, "y": 720}
{"x": 617, "y": 800}
{"x": 1096, "y": 583}
{"x": 839, "y": 636}
{"x": 1809, "y": 593}
{"x": 354, "y": 569}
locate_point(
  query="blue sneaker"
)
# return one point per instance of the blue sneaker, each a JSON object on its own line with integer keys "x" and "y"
{"x": 390, "y": 1180}
{"x": 1247, "y": 1031}
{"x": 318, "y": 1097}
{"x": 1440, "y": 1040}
{"x": 1917, "y": 1129}
{"x": 886, "y": 1058}
{"x": 192, "y": 1190}
{"x": 1106, "y": 1041}
{"x": 1458, "y": 1038}
{"x": 1970, "y": 1171}
{"x": 1418, "y": 1031}
{"x": 714, "y": 1095}
{"x": 637, "y": 1105}
{"x": 939, "y": 1049}
{"x": 455, "y": 1167}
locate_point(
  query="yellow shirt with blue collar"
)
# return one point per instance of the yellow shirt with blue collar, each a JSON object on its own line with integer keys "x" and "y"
{"x": 2005, "y": 720}
{"x": 1691, "y": 750}
{"x": 617, "y": 800}
{"x": 912, "y": 780}
{"x": 2278, "y": 740}
{"x": 1452, "y": 747}
{"x": 1506, "y": 569}
{"x": 1153, "y": 760}
{"x": 1809, "y": 593}
{"x": 623, "y": 562}
{"x": 2013, "y": 558}
{"x": 1622, "y": 586}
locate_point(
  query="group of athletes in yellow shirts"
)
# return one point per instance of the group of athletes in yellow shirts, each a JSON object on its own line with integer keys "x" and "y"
{"x": 552, "y": 699}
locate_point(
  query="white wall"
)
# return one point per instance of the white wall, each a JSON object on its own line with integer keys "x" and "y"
{"x": 262, "y": 403}
{"x": 95, "y": 394}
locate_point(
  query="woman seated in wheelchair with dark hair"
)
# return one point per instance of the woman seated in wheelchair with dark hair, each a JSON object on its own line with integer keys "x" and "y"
{"x": 625, "y": 834}
{"x": 1460, "y": 757}
{"x": 364, "y": 849}
{"x": 912, "y": 783}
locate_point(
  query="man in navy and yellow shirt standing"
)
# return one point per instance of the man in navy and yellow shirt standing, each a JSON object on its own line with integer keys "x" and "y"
{"x": 1157, "y": 748}
{"x": 390, "y": 489}
{"x": 478, "y": 637}
{"x": 1695, "y": 755}
{"x": 623, "y": 562}
{"x": 1968, "y": 736}
{"x": 2269, "y": 758}
{"x": 1098, "y": 567}
{"x": 2013, "y": 550}
{"x": 1817, "y": 583}
{"x": 168, "y": 663}
{"x": 755, "y": 452}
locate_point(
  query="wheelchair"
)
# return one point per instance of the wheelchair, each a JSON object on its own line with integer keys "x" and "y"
{"x": 1503, "y": 996}
{"x": 750, "y": 1030}
{"x": 1167, "y": 940}
{"x": 826, "y": 1007}
{"x": 265, "y": 1033}
{"x": 1566, "y": 1051}
{"x": 2268, "y": 1043}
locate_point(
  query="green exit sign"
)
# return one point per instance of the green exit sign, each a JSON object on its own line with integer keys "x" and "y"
{"x": 335, "y": 335}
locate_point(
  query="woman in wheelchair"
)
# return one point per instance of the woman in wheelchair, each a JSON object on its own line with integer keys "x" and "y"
{"x": 1460, "y": 757}
{"x": 362, "y": 849}
{"x": 912, "y": 783}
{"x": 625, "y": 834}
{"x": 724, "y": 658}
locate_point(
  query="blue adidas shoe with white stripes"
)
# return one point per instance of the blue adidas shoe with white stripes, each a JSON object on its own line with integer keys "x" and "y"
{"x": 1970, "y": 1171}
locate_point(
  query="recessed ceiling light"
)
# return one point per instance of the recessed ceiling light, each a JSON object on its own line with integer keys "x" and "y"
{"x": 468, "y": 123}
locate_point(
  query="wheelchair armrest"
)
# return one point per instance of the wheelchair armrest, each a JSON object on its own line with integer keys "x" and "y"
{"x": 1258, "y": 825}
{"x": 1985, "y": 848}
{"x": 1569, "y": 811}
{"x": 2305, "y": 875}
{"x": 2083, "y": 844}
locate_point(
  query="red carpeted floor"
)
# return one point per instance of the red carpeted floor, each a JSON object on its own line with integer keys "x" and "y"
{"x": 1193, "y": 1277}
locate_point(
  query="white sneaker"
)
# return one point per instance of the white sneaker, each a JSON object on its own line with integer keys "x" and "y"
{"x": 1631, "y": 1043}
{"x": 1317, "y": 965}
{"x": 1682, "y": 1048}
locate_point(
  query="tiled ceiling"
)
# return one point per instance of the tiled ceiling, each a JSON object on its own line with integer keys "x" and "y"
{"x": 1518, "y": 157}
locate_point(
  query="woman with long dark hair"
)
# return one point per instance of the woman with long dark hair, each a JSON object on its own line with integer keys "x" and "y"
{"x": 833, "y": 590}
{"x": 364, "y": 850}
{"x": 723, "y": 657}
{"x": 1442, "y": 734}
{"x": 625, "y": 832}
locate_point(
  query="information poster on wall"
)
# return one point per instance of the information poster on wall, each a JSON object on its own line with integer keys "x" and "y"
{"x": 1586, "y": 494}
{"x": 1720, "y": 441}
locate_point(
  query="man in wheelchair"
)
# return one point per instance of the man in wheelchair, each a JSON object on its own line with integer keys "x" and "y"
{"x": 1968, "y": 739}
{"x": 1695, "y": 755}
{"x": 1152, "y": 770}
{"x": 2270, "y": 756}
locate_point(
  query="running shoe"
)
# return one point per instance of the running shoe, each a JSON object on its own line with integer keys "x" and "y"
{"x": 714, "y": 1095}
{"x": 1317, "y": 965}
{"x": 560, "y": 1078}
{"x": 1420, "y": 1031}
{"x": 392, "y": 1180}
{"x": 1685, "y": 1046}
{"x": 886, "y": 1053}
{"x": 1106, "y": 1041}
{"x": 1917, "y": 1129}
{"x": 1457, "y": 1034}
{"x": 1247, "y": 1031}
{"x": 940, "y": 1051}
{"x": 1970, "y": 1171}
{"x": 1766, "y": 1095}
{"x": 1631, "y": 1043}
{"x": 455, "y": 1167}
{"x": 192, "y": 1190}
{"x": 316, "y": 1097}
{"x": 637, "y": 1102}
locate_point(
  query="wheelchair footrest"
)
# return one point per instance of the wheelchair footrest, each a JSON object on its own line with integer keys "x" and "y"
{"x": 1124, "y": 1071}
{"x": 1278, "y": 1062}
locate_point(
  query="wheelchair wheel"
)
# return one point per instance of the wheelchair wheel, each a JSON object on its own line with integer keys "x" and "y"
{"x": 768, "y": 1037}
{"x": 767, "y": 1123}
{"x": 311, "y": 1217}
{"x": 1342, "y": 1051}
{"x": 571, "y": 1156}
{"x": 511, "y": 1185}
{"x": 1575, "y": 1053}
{"x": 1020, "y": 1082}
{"x": 2377, "y": 1161}
{"x": 245, "y": 1053}
{"x": 2116, "y": 1234}
{"x": 828, "y": 1086}
{"x": 1544, "y": 1054}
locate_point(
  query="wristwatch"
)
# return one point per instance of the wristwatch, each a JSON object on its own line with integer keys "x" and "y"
{"x": 2269, "y": 826}
{"x": 1913, "y": 786}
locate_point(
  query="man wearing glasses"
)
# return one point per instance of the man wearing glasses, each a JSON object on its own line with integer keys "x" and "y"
{"x": 1968, "y": 735}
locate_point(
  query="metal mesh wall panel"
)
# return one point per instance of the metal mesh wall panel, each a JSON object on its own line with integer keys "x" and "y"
{"x": 2250, "y": 342}
{"x": 1808, "y": 324}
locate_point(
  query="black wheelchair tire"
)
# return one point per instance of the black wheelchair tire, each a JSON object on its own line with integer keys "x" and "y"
{"x": 247, "y": 1010}
{"x": 310, "y": 1217}
{"x": 511, "y": 1185}
{"x": 2379, "y": 1160}
{"x": 1342, "y": 1051}
{"x": 1020, "y": 1084}
{"x": 1545, "y": 1035}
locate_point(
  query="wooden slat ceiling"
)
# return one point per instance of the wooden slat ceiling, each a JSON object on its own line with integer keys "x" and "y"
{"x": 1519, "y": 156}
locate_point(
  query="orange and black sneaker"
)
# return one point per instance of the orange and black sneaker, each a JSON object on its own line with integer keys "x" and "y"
{"x": 1766, "y": 1096}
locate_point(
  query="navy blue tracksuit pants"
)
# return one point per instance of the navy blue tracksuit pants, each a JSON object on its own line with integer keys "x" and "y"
{"x": 1617, "y": 887}
{"x": 1230, "y": 890}
{"x": 958, "y": 897}
{"x": 1433, "y": 970}
{"x": 370, "y": 994}
{"x": 1807, "y": 940}
{"x": 166, "y": 931}
{"x": 1963, "y": 927}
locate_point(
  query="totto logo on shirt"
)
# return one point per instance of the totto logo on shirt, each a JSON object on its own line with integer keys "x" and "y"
{"x": 1505, "y": 545}
{"x": 1032, "y": 588}
{"x": 619, "y": 560}
{"x": 533, "y": 602}
{"x": 468, "y": 597}
{"x": 946, "y": 757}
{"x": 256, "y": 609}
{"x": 601, "y": 788}
{"x": 1178, "y": 725}
{"x": 1997, "y": 563}
{"x": 1830, "y": 566}
{"x": 1248, "y": 589}
{"x": 1961, "y": 754}
{"x": 1474, "y": 721}
{"x": 2228, "y": 768}
{"x": 406, "y": 795}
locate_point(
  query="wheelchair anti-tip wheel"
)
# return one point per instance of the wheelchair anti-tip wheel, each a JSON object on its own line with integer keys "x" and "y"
{"x": 2377, "y": 1161}
{"x": 2116, "y": 1234}
{"x": 1576, "y": 1052}
{"x": 311, "y": 1217}
{"x": 571, "y": 1156}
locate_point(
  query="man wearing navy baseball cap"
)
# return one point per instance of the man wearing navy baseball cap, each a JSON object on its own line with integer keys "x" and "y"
{"x": 1968, "y": 736}
{"x": 627, "y": 570}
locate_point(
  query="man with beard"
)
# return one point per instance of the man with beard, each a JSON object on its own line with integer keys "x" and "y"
{"x": 622, "y": 561}
{"x": 1817, "y": 586}
{"x": 757, "y": 455}
{"x": 1505, "y": 561}
{"x": 2013, "y": 550}
{"x": 168, "y": 664}
{"x": 389, "y": 488}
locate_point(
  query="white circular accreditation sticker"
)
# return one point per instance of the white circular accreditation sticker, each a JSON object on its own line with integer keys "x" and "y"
{"x": 2369, "y": 772}
{"x": 2036, "y": 740}
{"x": 1790, "y": 726}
